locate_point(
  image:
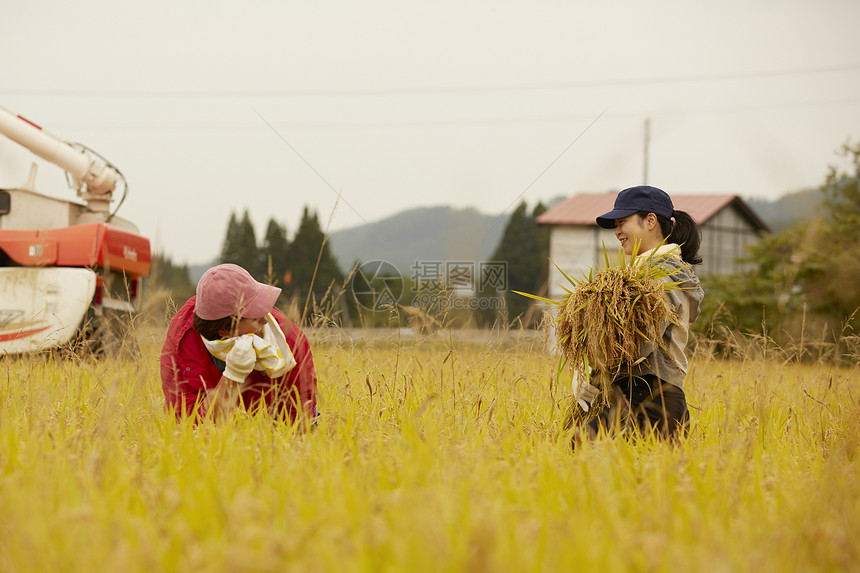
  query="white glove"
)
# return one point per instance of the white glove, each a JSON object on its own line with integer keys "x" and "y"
{"x": 241, "y": 359}
{"x": 585, "y": 395}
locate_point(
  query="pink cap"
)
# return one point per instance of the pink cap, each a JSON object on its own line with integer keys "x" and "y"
{"x": 229, "y": 290}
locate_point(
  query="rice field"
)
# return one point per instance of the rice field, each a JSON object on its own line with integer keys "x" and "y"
{"x": 430, "y": 455}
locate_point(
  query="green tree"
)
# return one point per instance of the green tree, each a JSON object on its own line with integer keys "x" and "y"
{"x": 542, "y": 245}
{"x": 834, "y": 265}
{"x": 524, "y": 246}
{"x": 174, "y": 278}
{"x": 240, "y": 245}
{"x": 804, "y": 278}
{"x": 275, "y": 253}
{"x": 230, "y": 246}
{"x": 311, "y": 265}
{"x": 765, "y": 299}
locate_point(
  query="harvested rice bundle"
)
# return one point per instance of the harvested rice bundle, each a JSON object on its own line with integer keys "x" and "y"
{"x": 606, "y": 316}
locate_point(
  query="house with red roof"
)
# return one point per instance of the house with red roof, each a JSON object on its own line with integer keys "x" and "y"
{"x": 576, "y": 242}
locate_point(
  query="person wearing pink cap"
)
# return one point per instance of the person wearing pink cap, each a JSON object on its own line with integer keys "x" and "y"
{"x": 228, "y": 347}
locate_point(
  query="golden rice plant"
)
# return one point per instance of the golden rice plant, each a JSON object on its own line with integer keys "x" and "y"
{"x": 604, "y": 317}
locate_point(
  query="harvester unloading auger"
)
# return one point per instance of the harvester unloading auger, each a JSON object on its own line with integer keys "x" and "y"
{"x": 70, "y": 270}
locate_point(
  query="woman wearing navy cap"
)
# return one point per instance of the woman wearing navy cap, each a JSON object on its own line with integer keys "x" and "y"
{"x": 648, "y": 395}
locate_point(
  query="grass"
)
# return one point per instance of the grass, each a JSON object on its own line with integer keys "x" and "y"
{"x": 430, "y": 456}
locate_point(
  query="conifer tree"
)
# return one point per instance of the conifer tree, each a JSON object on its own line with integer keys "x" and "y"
{"x": 230, "y": 246}
{"x": 303, "y": 255}
{"x": 542, "y": 256}
{"x": 240, "y": 245}
{"x": 524, "y": 246}
{"x": 275, "y": 253}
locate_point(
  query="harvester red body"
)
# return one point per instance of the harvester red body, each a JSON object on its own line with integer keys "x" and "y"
{"x": 70, "y": 269}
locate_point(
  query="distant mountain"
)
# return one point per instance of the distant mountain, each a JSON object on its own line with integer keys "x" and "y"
{"x": 196, "y": 271}
{"x": 789, "y": 209}
{"x": 424, "y": 234}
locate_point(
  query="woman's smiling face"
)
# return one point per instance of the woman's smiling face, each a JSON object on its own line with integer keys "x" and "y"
{"x": 635, "y": 229}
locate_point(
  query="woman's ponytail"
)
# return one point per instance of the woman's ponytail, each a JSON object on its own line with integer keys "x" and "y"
{"x": 686, "y": 233}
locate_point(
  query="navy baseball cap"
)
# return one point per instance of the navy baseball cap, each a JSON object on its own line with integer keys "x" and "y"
{"x": 635, "y": 199}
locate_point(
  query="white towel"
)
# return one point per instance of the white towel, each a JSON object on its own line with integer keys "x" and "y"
{"x": 274, "y": 356}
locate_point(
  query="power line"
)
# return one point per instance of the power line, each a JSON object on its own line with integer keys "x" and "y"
{"x": 428, "y": 90}
{"x": 461, "y": 122}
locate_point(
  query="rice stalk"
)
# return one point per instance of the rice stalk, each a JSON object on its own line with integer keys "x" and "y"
{"x": 605, "y": 316}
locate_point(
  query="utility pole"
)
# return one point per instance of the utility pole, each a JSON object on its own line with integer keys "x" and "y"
{"x": 645, "y": 151}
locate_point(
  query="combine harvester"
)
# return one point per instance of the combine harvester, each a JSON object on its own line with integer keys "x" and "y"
{"x": 70, "y": 270}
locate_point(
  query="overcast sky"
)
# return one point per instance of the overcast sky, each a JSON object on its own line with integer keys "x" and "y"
{"x": 213, "y": 107}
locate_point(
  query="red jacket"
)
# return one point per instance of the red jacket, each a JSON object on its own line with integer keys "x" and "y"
{"x": 187, "y": 370}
